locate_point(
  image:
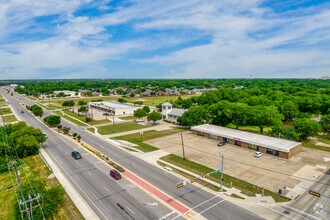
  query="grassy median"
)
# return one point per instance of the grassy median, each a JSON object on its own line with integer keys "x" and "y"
{"x": 312, "y": 144}
{"x": 9, "y": 118}
{"x": 5, "y": 111}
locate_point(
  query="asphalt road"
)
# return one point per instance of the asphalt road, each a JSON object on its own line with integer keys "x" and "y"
{"x": 109, "y": 198}
{"x": 307, "y": 206}
{"x": 201, "y": 201}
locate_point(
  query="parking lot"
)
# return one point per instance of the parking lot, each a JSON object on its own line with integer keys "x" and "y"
{"x": 267, "y": 171}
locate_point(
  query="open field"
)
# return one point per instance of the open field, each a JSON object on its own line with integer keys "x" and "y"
{"x": 83, "y": 118}
{"x": 108, "y": 129}
{"x": 9, "y": 118}
{"x": 152, "y": 100}
{"x": 2, "y": 100}
{"x": 3, "y": 105}
{"x": 147, "y": 135}
{"x": 35, "y": 168}
{"x": 245, "y": 187}
{"x": 5, "y": 111}
{"x": 155, "y": 100}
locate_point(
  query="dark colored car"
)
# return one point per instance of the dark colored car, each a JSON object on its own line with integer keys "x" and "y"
{"x": 115, "y": 174}
{"x": 221, "y": 144}
{"x": 76, "y": 155}
{"x": 22, "y": 112}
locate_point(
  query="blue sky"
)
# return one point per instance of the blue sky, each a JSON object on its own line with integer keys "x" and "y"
{"x": 164, "y": 39}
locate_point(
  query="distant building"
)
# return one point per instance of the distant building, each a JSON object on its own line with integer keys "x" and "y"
{"x": 265, "y": 144}
{"x": 112, "y": 107}
{"x": 160, "y": 93}
{"x": 171, "y": 114}
{"x": 67, "y": 93}
{"x": 13, "y": 86}
{"x": 146, "y": 93}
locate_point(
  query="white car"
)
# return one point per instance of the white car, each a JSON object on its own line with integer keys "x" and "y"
{"x": 139, "y": 120}
{"x": 258, "y": 154}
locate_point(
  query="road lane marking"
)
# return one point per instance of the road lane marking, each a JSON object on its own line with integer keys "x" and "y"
{"x": 195, "y": 207}
{"x": 130, "y": 210}
{"x": 106, "y": 188}
{"x": 212, "y": 206}
{"x": 294, "y": 213}
{"x": 89, "y": 173}
{"x": 167, "y": 215}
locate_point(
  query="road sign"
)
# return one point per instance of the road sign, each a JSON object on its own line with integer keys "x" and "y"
{"x": 179, "y": 185}
{"x": 314, "y": 193}
{"x": 193, "y": 180}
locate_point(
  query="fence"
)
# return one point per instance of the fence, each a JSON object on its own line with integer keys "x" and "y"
{"x": 42, "y": 156}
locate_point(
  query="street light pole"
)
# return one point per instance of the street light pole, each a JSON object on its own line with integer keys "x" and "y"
{"x": 113, "y": 123}
{"x": 221, "y": 171}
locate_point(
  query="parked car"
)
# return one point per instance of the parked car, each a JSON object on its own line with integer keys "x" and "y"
{"x": 22, "y": 112}
{"x": 258, "y": 154}
{"x": 115, "y": 174}
{"x": 221, "y": 144}
{"x": 76, "y": 155}
{"x": 139, "y": 120}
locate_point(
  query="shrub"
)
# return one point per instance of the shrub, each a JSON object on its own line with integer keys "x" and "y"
{"x": 74, "y": 135}
{"x": 53, "y": 120}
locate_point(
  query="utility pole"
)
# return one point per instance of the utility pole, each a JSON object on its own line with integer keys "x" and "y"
{"x": 184, "y": 157}
{"x": 20, "y": 189}
{"x": 221, "y": 172}
{"x": 113, "y": 123}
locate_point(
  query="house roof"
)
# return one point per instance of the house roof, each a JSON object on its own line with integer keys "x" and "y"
{"x": 167, "y": 104}
{"x": 177, "y": 112}
{"x": 247, "y": 137}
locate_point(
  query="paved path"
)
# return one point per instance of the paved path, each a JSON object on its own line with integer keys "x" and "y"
{"x": 157, "y": 128}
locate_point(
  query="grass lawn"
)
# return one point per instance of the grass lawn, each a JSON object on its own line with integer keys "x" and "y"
{"x": 46, "y": 106}
{"x": 325, "y": 141}
{"x": 2, "y": 100}
{"x": 249, "y": 128}
{"x": 188, "y": 176}
{"x": 83, "y": 118}
{"x": 35, "y": 168}
{"x": 147, "y": 135}
{"x": 246, "y": 188}
{"x": 91, "y": 130}
{"x": 127, "y": 117}
{"x": 5, "y": 111}
{"x": 79, "y": 123}
{"x": 236, "y": 196}
{"x": 108, "y": 129}
{"x": 3, "y": 105}
{"x": 312, "y": 144}
{"x": 9, "y": 118}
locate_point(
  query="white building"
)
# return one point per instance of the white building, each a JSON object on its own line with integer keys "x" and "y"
{"x": 171, "y": 114}
{"x": 112, "y": 107}
{"x": 67, "y": 93}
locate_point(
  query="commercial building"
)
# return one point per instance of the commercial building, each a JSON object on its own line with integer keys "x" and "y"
{"x": 265, "y": 144}
{"x": 171, "y": 114}
{"x": 112, "y": 107}
{"x": 67, "y": 93}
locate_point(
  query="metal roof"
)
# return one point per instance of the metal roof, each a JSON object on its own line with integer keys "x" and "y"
{"x": 177, "y": 112}
{"x": 247, "y": 137}
{"x": 114, "y": 104}
{"x": 167, "y": 104}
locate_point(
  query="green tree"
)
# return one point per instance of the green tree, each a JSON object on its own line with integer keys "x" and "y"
{"x": 83, "y": 109}
{"x": 263, "y": 116}
{"x": 79, "y": 138}
{"x": 237, "y": 111}
{"x": 82, "y": 103}
{"x": 193, "y": 116}
{"x": 186, "y": 103}
{"x": 68, "y": 103}
{"x": 132, "y": 95}
{"x": 139, "y": 113}
{"x": 36, "y": 110}
{"x": 146, "y": 109}
{"x": 53, "y": 120}
{"x": 284, "y": 131}
{"x": 325, "y": 123}
{"x": 122, "y": 100}
{"x": 66, "y": 129}
{"x": 306, "y": 127}
{"x": 289, "y": 111}
{"x": 154, "y": 116}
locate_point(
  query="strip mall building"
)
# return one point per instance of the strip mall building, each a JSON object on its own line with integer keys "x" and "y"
{"x": 265, "y": 144}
